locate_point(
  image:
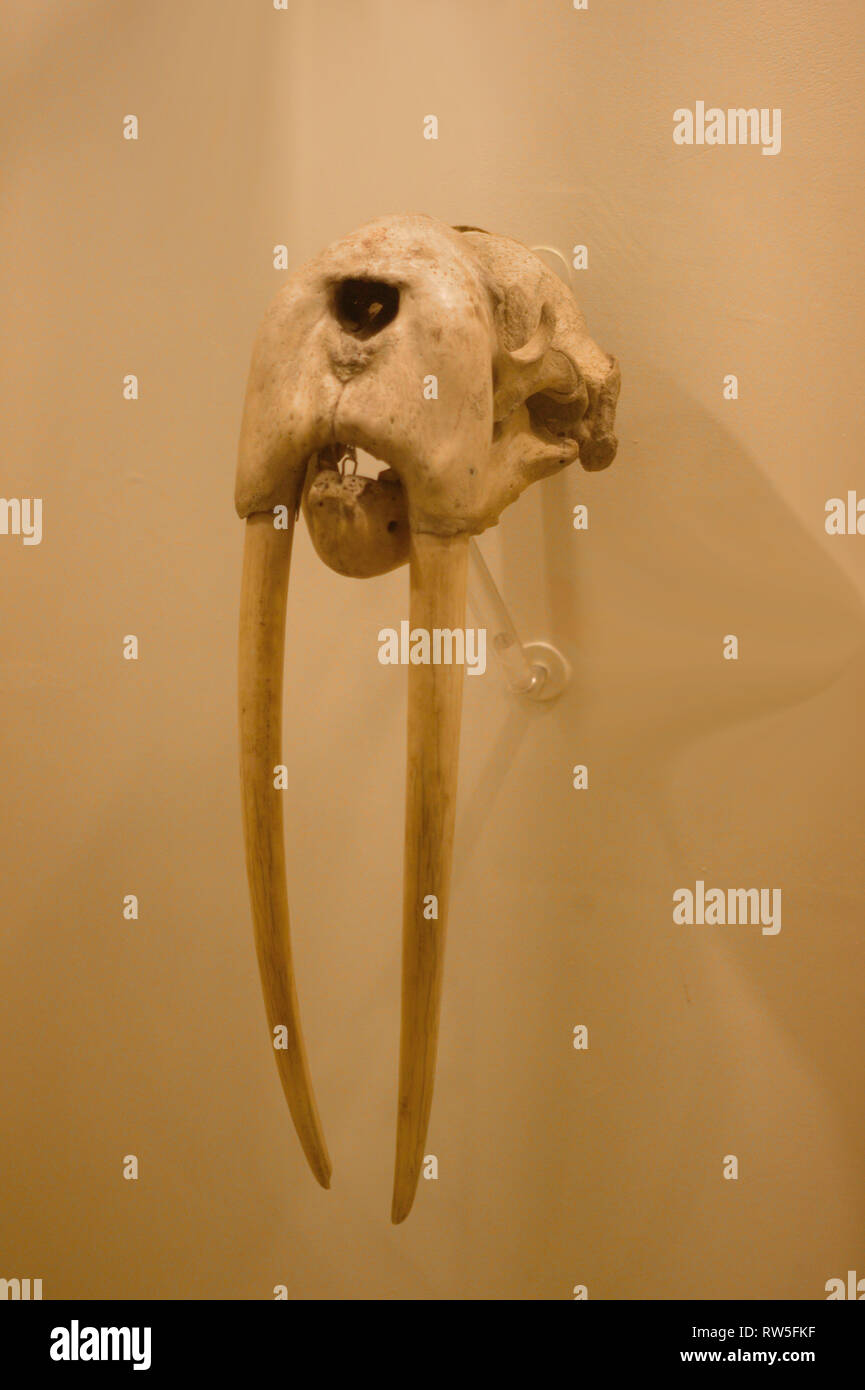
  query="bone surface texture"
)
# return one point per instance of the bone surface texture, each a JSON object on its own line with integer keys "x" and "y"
{"x": 406, "y": 386}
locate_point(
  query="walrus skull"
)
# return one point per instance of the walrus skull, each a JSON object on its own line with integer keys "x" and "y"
{"x": 460, "y": 364}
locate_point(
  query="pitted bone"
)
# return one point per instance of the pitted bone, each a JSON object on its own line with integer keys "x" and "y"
{"x": 343, "y": 363}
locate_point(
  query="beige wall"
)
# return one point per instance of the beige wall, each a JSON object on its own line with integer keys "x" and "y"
{"x": 556, "y": 1167}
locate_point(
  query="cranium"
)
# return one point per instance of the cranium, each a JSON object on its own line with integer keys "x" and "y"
{"x": 460, "y": 362}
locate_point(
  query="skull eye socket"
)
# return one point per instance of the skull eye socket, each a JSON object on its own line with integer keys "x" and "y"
{"x": 365, "y": 307}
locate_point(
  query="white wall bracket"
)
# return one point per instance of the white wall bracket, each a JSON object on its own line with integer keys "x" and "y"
{"x": 536, "y": 670}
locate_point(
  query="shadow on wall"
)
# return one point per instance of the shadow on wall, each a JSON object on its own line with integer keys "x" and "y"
{"x": 688, "y": 543}
{"x": 696, "y": 771}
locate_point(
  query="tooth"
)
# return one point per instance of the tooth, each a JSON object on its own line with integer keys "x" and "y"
{"x": 438, "y": 568}
{"x": 264, "y": 591}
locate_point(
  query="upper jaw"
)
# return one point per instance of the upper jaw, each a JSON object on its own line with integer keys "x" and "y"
{"x": 348, "y": 347}
{"x": 335, "y": 364}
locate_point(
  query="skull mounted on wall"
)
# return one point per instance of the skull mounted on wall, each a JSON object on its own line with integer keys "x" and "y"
{"x": 460, "y": 363}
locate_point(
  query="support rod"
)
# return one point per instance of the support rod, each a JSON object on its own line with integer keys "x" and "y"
{"x": 536, "y": 670}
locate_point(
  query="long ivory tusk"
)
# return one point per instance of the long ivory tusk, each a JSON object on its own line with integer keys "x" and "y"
{"x": 438, "y": 567}
{"x": 264, "y": 592}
